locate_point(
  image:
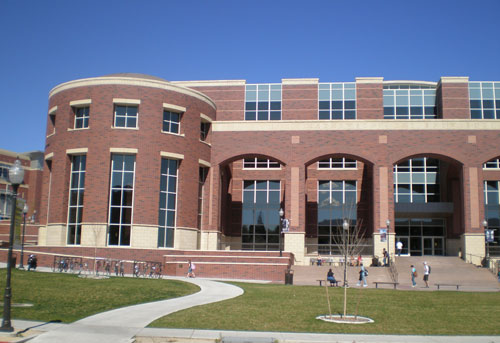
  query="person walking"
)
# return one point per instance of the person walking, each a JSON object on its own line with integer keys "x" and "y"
{"x": 413, "y": 275}
{"x": 363, "y": 273}
{"x": 427, "y": 271}
{"x": 191, "y": 268}
{"x": 399, "y": 247}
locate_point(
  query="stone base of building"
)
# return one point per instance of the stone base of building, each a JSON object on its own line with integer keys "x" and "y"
{"x": 473, "y": 248}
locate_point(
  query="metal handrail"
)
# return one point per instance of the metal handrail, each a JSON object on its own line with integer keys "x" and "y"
{"x": 393, "y": 272}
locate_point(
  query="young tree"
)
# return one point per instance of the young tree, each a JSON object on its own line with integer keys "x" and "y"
{"x": 349, "y": 241}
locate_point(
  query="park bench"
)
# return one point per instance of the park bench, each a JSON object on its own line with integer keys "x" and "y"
{"x": 331, "y": 283}
{"x": 447, "y": 285}
{"x": 386, "y": 283}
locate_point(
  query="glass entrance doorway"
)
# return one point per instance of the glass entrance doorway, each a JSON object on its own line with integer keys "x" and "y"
{"x": 421, "y": 236}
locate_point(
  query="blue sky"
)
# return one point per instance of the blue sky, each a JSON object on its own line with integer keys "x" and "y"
{"x": 44, "y": 43}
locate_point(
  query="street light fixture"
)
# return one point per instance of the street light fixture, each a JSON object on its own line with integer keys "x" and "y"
{"x": 281, "y": 213}
{"x": 345, "y": 226}
{"x": 388, "y": 223}
{"x": 16, "y": 177}
{"x": 25, "y": 212}
{"x": 485, "y": 225}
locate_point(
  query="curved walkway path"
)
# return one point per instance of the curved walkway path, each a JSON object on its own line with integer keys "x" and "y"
{"x": 121, "y": 325}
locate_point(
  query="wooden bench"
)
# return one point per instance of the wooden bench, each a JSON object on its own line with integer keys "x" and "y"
{"x": 336, "y": 282}
{"x": 386, "y": 283}
{"x": 447, "y": 285}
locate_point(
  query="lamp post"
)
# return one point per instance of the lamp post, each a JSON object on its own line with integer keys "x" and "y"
{"x": 345, "y": 226}
{"x": 25, "y": 212}
{"x": 281, "y": 213}
{"x": 16, "y": 176}
{"x": 388, "y": 223}
{"x": 485, "y": 225}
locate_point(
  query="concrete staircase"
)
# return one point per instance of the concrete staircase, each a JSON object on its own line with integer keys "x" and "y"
{"x": 451, "y": 270}
{"x": 446, "y": 269}
{"x": 308, "y": 275}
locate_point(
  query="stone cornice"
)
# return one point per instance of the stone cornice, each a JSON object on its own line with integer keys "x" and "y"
{"x": 359, "y": 125}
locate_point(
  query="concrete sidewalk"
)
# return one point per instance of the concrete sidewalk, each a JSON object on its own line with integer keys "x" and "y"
{"x": 157, "y": 335}
{"x": 121, "y": 325}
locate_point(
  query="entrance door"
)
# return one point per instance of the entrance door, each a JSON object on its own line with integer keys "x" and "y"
{"x": 421, "y": 236}
{"x": 433, "y": 246}
{"x": 416, "y": 246}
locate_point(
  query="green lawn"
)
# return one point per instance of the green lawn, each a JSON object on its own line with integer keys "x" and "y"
{"x": 262, "y": 307}
{"x": 294, "y": 309}
{"x": 67, "y": 297}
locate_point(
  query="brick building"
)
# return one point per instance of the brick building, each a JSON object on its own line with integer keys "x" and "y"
{"x": 135, "y": 163}
{"x": 29, "y": 193}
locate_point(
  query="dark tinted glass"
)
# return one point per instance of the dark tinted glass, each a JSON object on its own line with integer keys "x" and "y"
{"x": 336, "y": 105}
{"x": 324, "y": 105}
{"x": 350, "y": 105}
{"x": 276, "y": 105}
{"x": 250, "y": 106}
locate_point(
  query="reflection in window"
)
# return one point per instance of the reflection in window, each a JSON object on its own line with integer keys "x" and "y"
{"x": 204, "y": 130}
{"x": 409, "y": 102}
{"x": 168, "y": 197}
{"x": 337, "y": 101}
{"x": 492, "y": 213}
{"x": 121, "y": 199}
{"x": 260, "y": 163}
{"x": 171, "y": 122}
{"x": 81, "y": 117}
{"x": 417, "y": 181}
{"x": 126, "y": 116}
{"x": 337, "y": 200}
{"x": 260, "y": 217}
{"x": 202, "y": 174}
{"x": 337, "y": 163}
{"x": 492, "y": 164}
{"x": 76, "y": 193}
{"x": 263, "y": 102}
{"x": 484, "y": 100}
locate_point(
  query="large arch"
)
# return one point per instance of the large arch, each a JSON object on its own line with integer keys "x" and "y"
{"x": 233, "y": 177}
{"x": 352, "y": 179}
{"x": 429, "y": 203}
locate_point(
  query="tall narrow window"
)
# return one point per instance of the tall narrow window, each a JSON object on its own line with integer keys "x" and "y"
{"x": 76, "y": 192}
{"x": 260, "y": 217}
{"x": 337, "y": 200}
{"x": 168, "y": 197}
{"x": 204, "y": 129}
{"x": 121, "y": 199}
{"x": 492, "y": 213}
{"x": 81, "y": 117}
{"x": 202, "y": 177}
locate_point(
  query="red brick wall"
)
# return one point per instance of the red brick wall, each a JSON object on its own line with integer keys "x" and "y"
{"x": 149, "y": 141}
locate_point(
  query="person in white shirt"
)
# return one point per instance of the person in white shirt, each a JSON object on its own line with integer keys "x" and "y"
{"x": 426, "y": 274}
{"x": 399, "y": 247}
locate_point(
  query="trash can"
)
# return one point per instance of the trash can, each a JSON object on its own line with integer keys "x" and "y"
{"x": 375, "y": 262}
{"x": 289, "y": 277}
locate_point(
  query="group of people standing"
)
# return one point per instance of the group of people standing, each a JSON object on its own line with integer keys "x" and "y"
{"x": 363, "y": 273}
